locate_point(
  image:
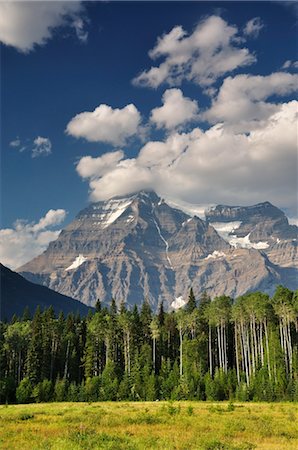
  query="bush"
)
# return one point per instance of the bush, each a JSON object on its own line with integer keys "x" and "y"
{"x": 73, "y": 393}
{"x": 60, "y": 390}
{"x": 42, "y": 392}
{"x": 24, "y": 391}
{"x": 92, "y": 387}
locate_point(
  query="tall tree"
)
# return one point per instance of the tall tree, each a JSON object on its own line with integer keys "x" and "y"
{"x": 191, "y": 303}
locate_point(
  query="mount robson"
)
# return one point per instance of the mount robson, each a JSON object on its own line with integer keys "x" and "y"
{"x": 142, "y": 247}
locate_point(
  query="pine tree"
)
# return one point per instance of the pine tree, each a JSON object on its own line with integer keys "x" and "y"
{"x": 191, "y": 304}
{"x": 35, "y": 350}
{"x": 145, "y": 318}
{"x": 98, "y": 305}
{"x": 26, "y": 314}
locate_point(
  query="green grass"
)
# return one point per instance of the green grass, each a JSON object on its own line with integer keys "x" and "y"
{"x": 149, "y": 425}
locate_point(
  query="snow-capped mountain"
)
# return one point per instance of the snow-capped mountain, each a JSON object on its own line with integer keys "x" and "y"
{"x": 139, "y": 246}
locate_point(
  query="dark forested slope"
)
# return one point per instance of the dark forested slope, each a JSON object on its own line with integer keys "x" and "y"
{"x": 16, "y": 293}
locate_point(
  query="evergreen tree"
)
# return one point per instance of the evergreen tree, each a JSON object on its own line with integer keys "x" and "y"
{"x": 35, "y": 350}
{"x": 98, "y": 305}
{"x": 191, "y": 303}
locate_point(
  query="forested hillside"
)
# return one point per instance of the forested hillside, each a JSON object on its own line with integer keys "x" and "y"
{"x": 221, "y": 349}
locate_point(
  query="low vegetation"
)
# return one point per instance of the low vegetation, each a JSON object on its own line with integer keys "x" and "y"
{"x": 150, "y": 425}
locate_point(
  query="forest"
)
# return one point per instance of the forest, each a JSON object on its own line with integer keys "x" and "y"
{"x": 243, "y": 349}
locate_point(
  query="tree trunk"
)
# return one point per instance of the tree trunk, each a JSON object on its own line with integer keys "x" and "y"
{"x": 219, "y": 347}
{"x": 154, "y": 355}
{"x": 181, "y": 351}
{"x": 210, "y": 351}
{"x": 128, "y": 351}
{"x": 267, "y": 350}
{"x": 237, "y": 355}
{"x": 66, "y": 360}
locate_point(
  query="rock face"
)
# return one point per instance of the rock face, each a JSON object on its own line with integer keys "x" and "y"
{"x": 139, "y": 247}
{"x": 263, "y": 227}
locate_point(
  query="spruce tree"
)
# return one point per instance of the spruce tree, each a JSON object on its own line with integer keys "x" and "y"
{"x": 35, "y": 350}
{"x": 191, "y": 304}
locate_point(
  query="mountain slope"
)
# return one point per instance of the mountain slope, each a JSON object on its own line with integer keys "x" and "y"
{"x": 262, "y": 226}
{"x": 17, "y": 293}
{"x": 139, "y": 246}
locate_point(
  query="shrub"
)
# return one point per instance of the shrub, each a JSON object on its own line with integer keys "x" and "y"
{"x": 24, "y": 391}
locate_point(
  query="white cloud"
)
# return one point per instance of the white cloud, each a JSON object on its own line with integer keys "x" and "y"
{"x": 52, "y": 218}
{"x": 176, "y": 110}
{"x": 26, "y": 240}
{"x": 202, "y": 57}
{"x": 15, "y": 143}
{"x": 213, "y": 166}
{"x": 241, "y": 104}
{"x": 293, "y": 221}
{"x": 290, "y": 64}
{"x": 42, "y": 147}
{"x": 89, "y": 167}
{"x": 106, "y": 124}
{"x": 128, "y": 176}
{"x": 253, "y": 27}
{"x": 80, "y": 28}
{"x": 25, "y": 24}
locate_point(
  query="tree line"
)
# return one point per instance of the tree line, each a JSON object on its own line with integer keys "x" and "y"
{"x": 243, "y": 349}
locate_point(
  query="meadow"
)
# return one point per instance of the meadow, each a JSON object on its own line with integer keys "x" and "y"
{"x": 149, "y": 425}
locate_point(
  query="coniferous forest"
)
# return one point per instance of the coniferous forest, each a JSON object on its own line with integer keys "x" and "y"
{"x": 242, "y": 349}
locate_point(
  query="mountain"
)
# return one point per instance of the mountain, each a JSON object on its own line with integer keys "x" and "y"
{"x": 138, "y": 246}
{"x": 17, "y": 293}
{"x": 263, "y": 227}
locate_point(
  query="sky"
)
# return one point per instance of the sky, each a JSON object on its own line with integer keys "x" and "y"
{"x": 196, "y": 100}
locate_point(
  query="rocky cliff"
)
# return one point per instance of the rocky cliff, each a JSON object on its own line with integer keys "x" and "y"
{"x": 140, "y": 247}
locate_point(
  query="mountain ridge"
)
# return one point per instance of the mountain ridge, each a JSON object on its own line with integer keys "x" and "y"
{"x": 17, "y": 293}
{"x": 138, "y": 246}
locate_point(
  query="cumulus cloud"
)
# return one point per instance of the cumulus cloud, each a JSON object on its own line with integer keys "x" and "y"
{"x": 89, "y": 167}
{"x": 26, "y": 240}
{"x": 176, "y": 110}
{"x": 42, "y": 147}
{"x": 241, "y": 104}
{"x": 212, "y": 50}
{"x": 106, "y": 124}
{"x": 24, "y": 24}
{"x": 253, "y": 27}
{"x": 213, "y": 166}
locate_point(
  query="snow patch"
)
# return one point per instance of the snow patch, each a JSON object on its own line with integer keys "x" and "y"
{"x": 244, "y": 242}
{"x": 224, "y": 229}
{"x": 188, "y": 220}
{"x": 215, "y": 255}
{"x": 111, "y": 211}
{"x": 130, "y": 219}
{"x": 77, "y": 262}
{"x": 178, "y": 303}
{"x": 115, "y": 208}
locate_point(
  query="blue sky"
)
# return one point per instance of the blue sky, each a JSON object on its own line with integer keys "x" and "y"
{"x": 56, "y": 65}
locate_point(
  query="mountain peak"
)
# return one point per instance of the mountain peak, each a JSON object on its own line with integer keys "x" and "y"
{"x": 228, "y": 213}
{"x": 141, "y": 246}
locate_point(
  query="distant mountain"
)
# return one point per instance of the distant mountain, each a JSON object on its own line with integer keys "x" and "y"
{"x": 138, "y": 246}
{"x": 17, "y": 293}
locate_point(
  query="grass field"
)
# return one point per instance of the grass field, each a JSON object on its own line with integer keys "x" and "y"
{"x": 156, "y": 425}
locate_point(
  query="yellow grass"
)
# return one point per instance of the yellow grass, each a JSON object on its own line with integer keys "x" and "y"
{"x": 149, "y": 425}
